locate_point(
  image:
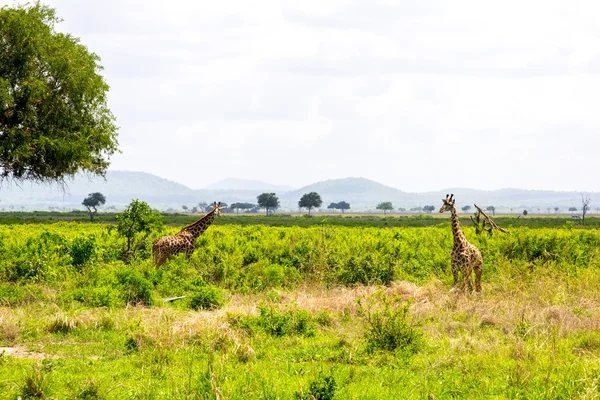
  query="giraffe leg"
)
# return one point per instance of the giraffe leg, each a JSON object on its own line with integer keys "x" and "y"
{"x": 478, "y": 268}
{"x": 454, "y": 265}
{"x": 467, "y": 279}
{"x": 188, "y": 252}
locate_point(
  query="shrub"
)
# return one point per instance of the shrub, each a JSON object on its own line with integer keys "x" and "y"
{"x": 289, "y": 322}
{"x": 207, "y": 297}
{"x": 35, "y": 385}
{"x": 135, "y": 289}
{"x": 321, "y": 388}
{"x": 135, "y": 224}
{"x": 388, "y": 327}
{"x": 82, "y": 250}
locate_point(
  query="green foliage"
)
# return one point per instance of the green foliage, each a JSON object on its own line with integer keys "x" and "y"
{"x": 135, "y": 224}
{"x": 134, "y": 288}
{"x": 268, "y": 201}
{"x": 82, "y": 250}
{"x": 321, "y": 388}
{"x": 54, "y": 119}
{"x": 276, "y": 322}
{"x": 310, "y": 200}
{"x": 288, "y": 322}
{"x": 389, "y": 326}
{"x": 207, "y": 297}
{"x": 35, "y": 385}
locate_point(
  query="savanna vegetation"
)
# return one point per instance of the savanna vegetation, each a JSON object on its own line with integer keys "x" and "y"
{"x": 297, "y": 312}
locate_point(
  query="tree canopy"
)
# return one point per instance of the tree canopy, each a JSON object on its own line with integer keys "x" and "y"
{"x": 466, "y": 208}
{"x": 268, "y": 201}
{"x": 92, "y": 202}
{"x": 428, "y": 209}
{"x": 242, "y": 206}
{"x": 385, "y": 206}
{"x": 137, "y": 218}
{"x": 54, "y": 119}
{"x": 310, "y": 200}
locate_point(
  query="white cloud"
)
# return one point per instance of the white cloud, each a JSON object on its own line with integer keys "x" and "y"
{"x": 418, "y": 95}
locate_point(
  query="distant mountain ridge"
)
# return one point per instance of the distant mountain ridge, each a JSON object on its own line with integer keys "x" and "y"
{"x": 120, "y": 187}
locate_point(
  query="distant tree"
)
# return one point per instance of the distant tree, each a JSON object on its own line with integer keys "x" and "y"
{"x": 236, "y": 207}
{"x": 92, "y": 202}
{"x": 194, "y": 210}
{"x": 135, "y": 224}
{"x": 466, "y": 209}
{"x": 385, "y": 206}
{"x": 525, "y": 212}
{"x": 492, "y": 209}
{"x": 185, "y": 208}
{"x": 556, "y": 210}
{"x": 310, "y": 200}
{"x": 401, "y": 209}
{"x": 54, "y": 119}
{"x": 342, "y": 205}
{"x": 572, "y": 209}
{"x": 428, "y": 209}
{"x": 416, "y": 209}
{"x": 247, "y": 206}
{"x": 268, "y": 201}
{"x": 202, "y": 205}
{"x": 585, "y": 205}
{"x": 332, "y": 206}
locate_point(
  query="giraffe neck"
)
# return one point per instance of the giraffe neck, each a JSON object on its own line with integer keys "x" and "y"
{"x": 459, "y": 236}
{"x": 199, "y": 226}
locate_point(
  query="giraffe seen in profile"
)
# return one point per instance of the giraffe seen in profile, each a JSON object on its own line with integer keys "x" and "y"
{"x": 466, "y": 258}
{"x": 183, "y": 241}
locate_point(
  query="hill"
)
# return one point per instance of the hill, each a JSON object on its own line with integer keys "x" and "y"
{"x": 359, "y": 192}
{"x": 120, "y": 187}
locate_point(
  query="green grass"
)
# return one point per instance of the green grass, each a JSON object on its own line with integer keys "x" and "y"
{"x": 298, "y": 313}
{"x": 350, "y": 220}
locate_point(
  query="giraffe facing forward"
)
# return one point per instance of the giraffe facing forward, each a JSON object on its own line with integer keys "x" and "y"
{"x": 183, "y": 241}
{"x": 466, "y": 258}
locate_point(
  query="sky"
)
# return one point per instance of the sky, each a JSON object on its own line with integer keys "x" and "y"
{"x": 416, "y": 95}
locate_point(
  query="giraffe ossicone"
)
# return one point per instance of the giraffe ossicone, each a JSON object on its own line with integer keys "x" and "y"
{"x": 183, "y": 241}
{"x": 466, "y": 258}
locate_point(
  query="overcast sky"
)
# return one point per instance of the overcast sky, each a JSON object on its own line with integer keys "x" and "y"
{"x": 419, "y": 96}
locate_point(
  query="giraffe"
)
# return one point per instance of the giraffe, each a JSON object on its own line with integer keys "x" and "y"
{"x": 183, "y": 241}
{"x": 465, "y": 256}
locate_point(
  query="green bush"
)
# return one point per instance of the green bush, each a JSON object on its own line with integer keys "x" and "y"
{"x": 134, "y": 288}
{"x": 207, "y": 297}
{"x": 82, "y": 250}
{"x": 289, "y": 322}
{"x": 388, "y": 325}
{"x": 321, "y": 388}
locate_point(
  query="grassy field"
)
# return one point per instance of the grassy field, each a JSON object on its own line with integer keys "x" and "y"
{"x": 374, "y": 220}
{"x": 298, "y": 313}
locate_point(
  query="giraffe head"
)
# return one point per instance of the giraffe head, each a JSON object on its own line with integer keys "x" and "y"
{"x": 216, "y": 208}
{"x": 448, "y": 203}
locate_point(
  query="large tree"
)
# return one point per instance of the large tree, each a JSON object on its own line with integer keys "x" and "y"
{"x": 342, "y": 205}
{"x": 385, "y": 206}
{"x": 268, "y": 201}
{"x": 310, "y": 200}
{"x": 54, "y": 120}
{"x": 92, "y": 202}
{"x": 492, "y": 209}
